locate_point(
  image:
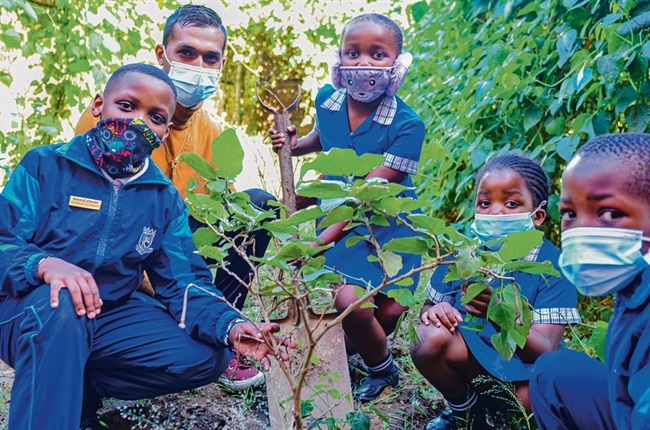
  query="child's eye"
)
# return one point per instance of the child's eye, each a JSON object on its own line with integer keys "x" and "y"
{"x": 609, "y": 215}
{"x": 510, "y": 204}
{"x": 483, "y": 204}
{"x": 125, "y": 105}
{"x": 352, "y": 54}
{"x": 157, "y": 119}
{"x": 567, "y": 216}
{"x": 380, "y": 55}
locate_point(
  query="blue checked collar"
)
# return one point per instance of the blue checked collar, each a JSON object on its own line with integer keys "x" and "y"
{"x": 385, "y": 111}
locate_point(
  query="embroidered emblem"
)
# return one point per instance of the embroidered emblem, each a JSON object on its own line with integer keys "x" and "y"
{"x": 146, "y": 239}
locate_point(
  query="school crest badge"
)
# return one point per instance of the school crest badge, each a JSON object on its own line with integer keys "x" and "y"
{"x": 146, "y": 239}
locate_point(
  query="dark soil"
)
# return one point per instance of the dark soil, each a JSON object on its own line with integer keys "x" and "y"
{"x": 213, "y": 407}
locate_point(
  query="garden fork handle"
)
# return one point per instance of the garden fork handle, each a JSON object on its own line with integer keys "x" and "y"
{"x": 286, "y": 165}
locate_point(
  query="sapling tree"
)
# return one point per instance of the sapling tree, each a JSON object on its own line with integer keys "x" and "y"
{"x": 296, "y": 272}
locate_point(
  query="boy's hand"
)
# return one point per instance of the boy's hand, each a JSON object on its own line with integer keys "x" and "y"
{"x": 277, "y": 138}
{"x": 80, "y": 283}
{"x": 442, "y": 314}
{"x": 253, "y": 343}
{"x": 478, "y": 306}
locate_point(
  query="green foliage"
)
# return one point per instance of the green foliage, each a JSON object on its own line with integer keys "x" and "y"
{"x": 539, "y": 76}
{"x": 70, "y": 42}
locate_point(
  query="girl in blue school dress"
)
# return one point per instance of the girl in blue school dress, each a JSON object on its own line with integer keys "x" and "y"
{"x": 511, "y": 195}
{"x": 360, "y": 111}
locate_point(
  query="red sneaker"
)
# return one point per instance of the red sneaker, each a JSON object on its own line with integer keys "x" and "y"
{"x": 240, "y": 375}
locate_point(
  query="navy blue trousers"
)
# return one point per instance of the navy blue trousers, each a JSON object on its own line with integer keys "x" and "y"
{"x": 568, "y": 390}
{"x": 132, "y": 350}
{"x": 229, "y": 285}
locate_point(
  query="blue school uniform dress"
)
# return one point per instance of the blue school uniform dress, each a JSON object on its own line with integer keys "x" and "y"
{"x": 572, "y": 390}
{"x": 394, "y": 130}
{"x": 554, "y": 301}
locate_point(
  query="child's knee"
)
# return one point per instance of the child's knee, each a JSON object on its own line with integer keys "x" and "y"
{"x": 432, "y": 344}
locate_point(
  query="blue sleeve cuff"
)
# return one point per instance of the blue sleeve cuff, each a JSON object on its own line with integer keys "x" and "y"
{"x": 31, "y": 269}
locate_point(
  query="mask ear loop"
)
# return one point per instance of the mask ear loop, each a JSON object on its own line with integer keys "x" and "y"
{"x": 532, "y": 214}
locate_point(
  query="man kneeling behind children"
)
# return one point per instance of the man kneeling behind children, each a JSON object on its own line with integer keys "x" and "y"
{"x": 79, "y": 222}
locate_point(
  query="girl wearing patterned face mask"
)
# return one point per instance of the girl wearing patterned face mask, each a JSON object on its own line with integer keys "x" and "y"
{"x": 361, "y": 112}
{"x": 511, "y": 195}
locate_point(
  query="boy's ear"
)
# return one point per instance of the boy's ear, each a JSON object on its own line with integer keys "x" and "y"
{"x": 96, "y": 106}
{"x": 538, "y": 217}
{"x": 167, "y": 130}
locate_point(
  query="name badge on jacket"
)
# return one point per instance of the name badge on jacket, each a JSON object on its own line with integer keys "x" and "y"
{"x": 84, "y": 203}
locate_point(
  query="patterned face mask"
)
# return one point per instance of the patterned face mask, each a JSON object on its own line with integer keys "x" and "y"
{"x": 367, "y": 84}
{"x": 120, "y": 145}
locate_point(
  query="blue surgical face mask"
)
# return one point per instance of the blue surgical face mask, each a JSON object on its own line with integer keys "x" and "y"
{"x": 600, "y": 260}
{"x": 492, "y": 227}
{"x": 193, "y": 84}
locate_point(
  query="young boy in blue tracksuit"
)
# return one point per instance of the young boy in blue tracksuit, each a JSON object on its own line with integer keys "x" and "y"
{"x": 605, "y": 207}
{"x": 79, "y": 222}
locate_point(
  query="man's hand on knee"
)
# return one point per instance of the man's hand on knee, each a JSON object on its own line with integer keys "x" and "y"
{"x": 80, "y": 283}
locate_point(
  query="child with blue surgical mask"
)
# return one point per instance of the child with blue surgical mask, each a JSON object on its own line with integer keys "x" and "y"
{"x": 360, "y": 111}
{"x": 605, "y": 207}
{"x": 511, "y": 196}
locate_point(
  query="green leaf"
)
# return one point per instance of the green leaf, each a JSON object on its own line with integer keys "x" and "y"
{"x": 204, "y": 236}
{"x": 472, "y": 291}
{"x": 567, "y": 146}
{"x": 428, "y": 223}
{"x": 358, "y": 421}
{"x": 407, "y": 245}
{"x": 637, "y": 117}
{"x": 369, "y": 192}
{"x": 12, "y": 39}
{"x": 392, "y": 262}
{"x": 6, "y": 79}
{"x": 624, "y": 98}
{"x": 341, "y": 213}
{"x": 504, "y": 344}
{"x": 351, "y": 241}
{"x": 601, "y": 123}
{"x": 597, "y": 339}
{"x": 343, "y": 162}
{"x": 532, "y": 267}
{"x": 212, "y": 252}
{"x": 556, "y": 126}
{"x": 227, "y": 154}
{"x": 466, "y": 263}
{"x": 609, "y": 67}
{"x": 418, "y": 10}
{"x": 324, "y": 189}
{"x": 532, "y": 116}
{"x": 197, "y": 163}
{"x": 519, "y": 244}
{"x": 403, "y": 296}
{"x": 566, "y": 46}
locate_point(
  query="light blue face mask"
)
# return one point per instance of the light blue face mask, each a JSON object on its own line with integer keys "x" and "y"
{"x": 193, "y": 84}
{"x": 492, "y": 227}
{"x": 600, "y": 260}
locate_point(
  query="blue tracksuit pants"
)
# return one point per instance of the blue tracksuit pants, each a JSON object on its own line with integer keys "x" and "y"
{"x": 130, "y": 351}
{"x": 568, "y": 390}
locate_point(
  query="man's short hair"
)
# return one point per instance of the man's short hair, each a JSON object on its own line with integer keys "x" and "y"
{"x": 193, "y": 15}
{"x": 631, "y": 150}
{"x": 141, "y": 68}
